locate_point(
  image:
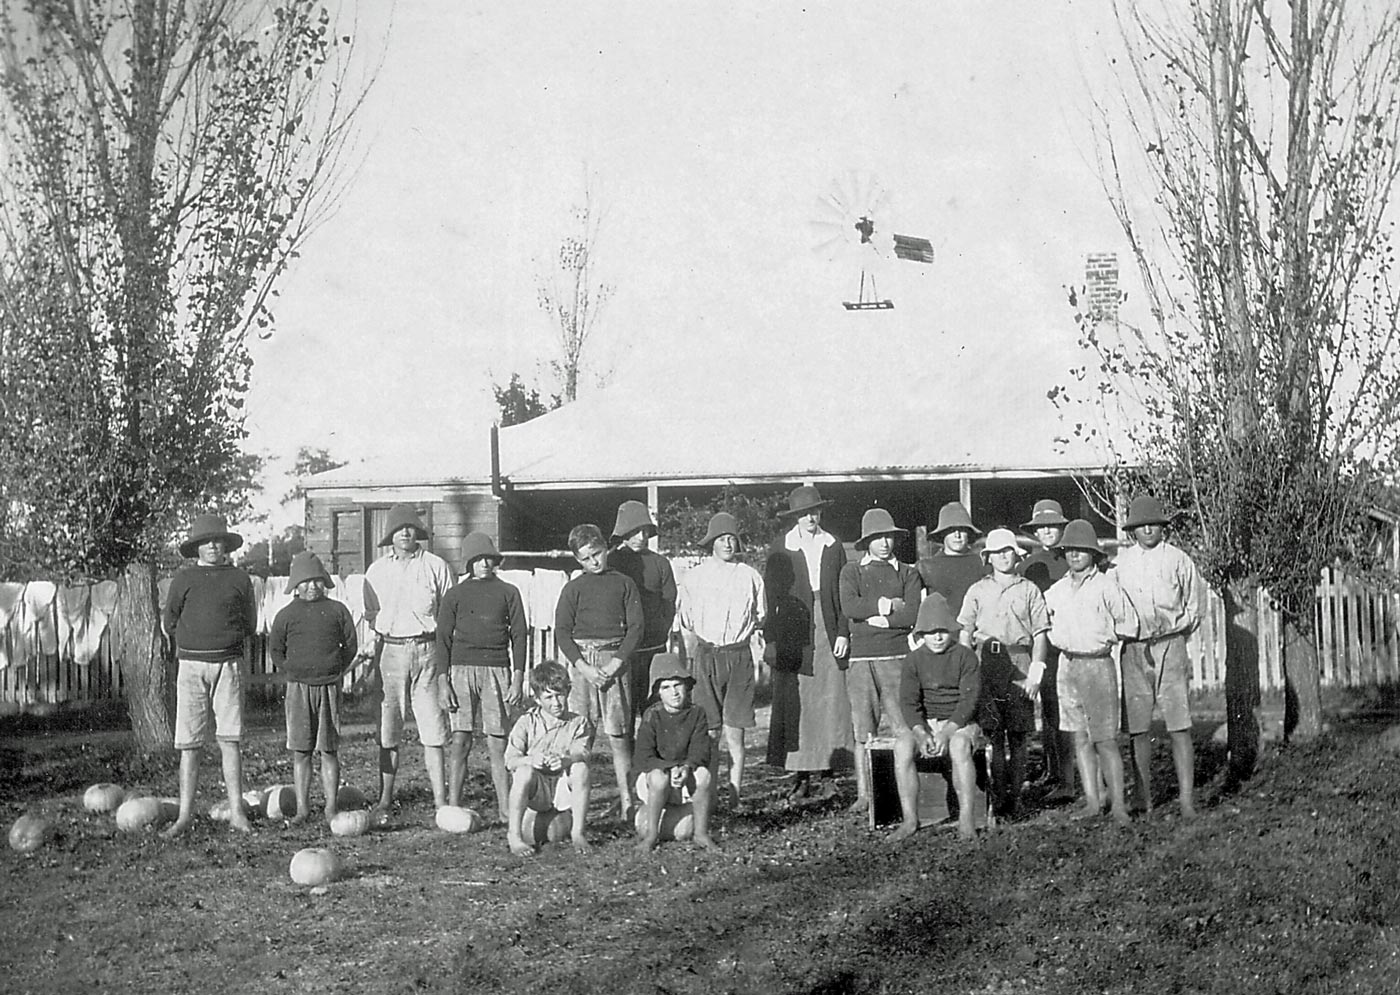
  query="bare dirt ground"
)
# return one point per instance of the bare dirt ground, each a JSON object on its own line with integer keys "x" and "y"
{"x": 1291, "y": 884}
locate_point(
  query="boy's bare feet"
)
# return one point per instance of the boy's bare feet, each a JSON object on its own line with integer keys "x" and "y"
{"x": 860, "y": 805}
{"x": 519, "y": 847}
{"x": 241, "y": 825}
{"x": 1121, "y": 817}
{"x": 1086, "y": 811}
{"x": 706, "y": 842}
{"x": 968, "y": 834}
{"x": 183, "y": 823}
{"x": 582, "y": 845}
{"x": 646, "y": 844}
{"x": 731, "y": 795}
{"x": 330, "y": 812}
{"x": 905, "y": 830}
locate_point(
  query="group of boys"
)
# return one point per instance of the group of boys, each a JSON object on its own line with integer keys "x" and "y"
{"x": 988, "y": 630}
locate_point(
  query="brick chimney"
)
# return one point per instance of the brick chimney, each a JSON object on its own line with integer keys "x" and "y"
{"x": 1101, "y": 285}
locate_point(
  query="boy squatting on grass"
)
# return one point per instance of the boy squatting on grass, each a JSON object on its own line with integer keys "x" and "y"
{"x": 481, "y": 639}
{"x": 210, "y": 613}
{"x": 674, "y": 754}
{"x": 1089, "y": 615}
{"x": 547, "y": 756}
{"x": 313, "y": 643}
{"x": 938, "y": 691}
{"x": 598, "y": 624}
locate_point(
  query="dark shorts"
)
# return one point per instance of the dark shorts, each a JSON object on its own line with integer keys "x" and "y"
{"x": 1004, "y": 707}
{"x": 872, "y": 684}
{"x": 724, "y": 684}
{"x": 313, "y": 717}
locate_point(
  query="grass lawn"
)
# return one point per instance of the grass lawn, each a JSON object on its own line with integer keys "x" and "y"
{"x": 1291, "y": 884}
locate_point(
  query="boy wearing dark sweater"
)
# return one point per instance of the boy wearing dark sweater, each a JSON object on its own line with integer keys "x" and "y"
{"x": 938, "y": 693}
{"x": 313, "y": 643}
{"x": 674, "y": 753}
{"x": 880, "y": 596}
{"x": 656, "y": 583}
{"x": 598, "y": 624}
{"x": 955, "y": 565}
{"x": 210, "y": 614}
{"x": 481, "y": 638}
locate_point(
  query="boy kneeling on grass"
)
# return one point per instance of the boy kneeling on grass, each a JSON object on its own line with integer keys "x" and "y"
{"x": 313, "y": 643}
{"x": 547, "y": 756}
{"x": 674, "y": 753}
{"x": 938, "y": 693}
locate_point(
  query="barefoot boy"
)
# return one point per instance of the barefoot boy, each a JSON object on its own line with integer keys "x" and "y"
{"x": 938, "y": 694}
{"x": 656, "y": 583}
{"x": 211, "y": 614}
{"x": 313, "y": 643}
{"x": 598, "y": 624}
{"x": 1089, "y": 615}
{"x": 547, "y": 756}
{"x": 1167, "y": 590}
{"x": 481, "y": 638}
{"x": 674, "y": 753}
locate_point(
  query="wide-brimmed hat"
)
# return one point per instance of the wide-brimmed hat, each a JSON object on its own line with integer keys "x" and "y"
{"x": 399, "y": 516}
{"x": 877, "y": 522}
{"x": 668, "y": 667}
{"x": 953, "y": 516}
{"x": 1079, "y": 534}
{"x": 722, "y": 524}
{"x": 205, "y": 528}
{"x": 306, "y": 565}
{"x": 1146, "y": 510}
{"x": 475, "y": 545}
{"x": 935, "y": 614}
{"x": 1046, "y": 512}
{"x": 631, "y": 516}
{"x": 804, "y": 498}
{"x": 999, "y": 539}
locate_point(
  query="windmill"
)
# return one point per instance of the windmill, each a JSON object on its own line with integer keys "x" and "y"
{"x": 850, "y": 219}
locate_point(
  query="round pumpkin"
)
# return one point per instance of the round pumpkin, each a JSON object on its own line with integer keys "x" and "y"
{"x": 315, "y": 866}
{"x": 456, "y": 819}
{"x": 255, "y": 799}
{"x": 677, "y": 821}
{"x": 353, "y": 823}
{"x": 142, "y": 812}
{"x": 103, "y": 797}
{"x": 281, "y": 802}
{"x": 349, "y": 798}
{"x": 30, "y": 832}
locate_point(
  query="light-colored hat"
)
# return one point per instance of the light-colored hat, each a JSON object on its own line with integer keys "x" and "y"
{"x": 934, "y": 614}
{"x": 631, "y": 516}
{"x": 399, "y": 516}
{"x": 306, "y": 565}
{"x": 475, "y": 545}
{"x": 205, "y": 528}
{"x": 1079, "y": 534}
{"x": 668, "y": 667}
{"x": 953, "y": 516}
{"x": 804, "y": 498}
{"x": 1145, "y": 510}
{"x": 999, "y": 539}
{"x": 1046, "y": 512}
{"x": 722, "y": 524}
{"x": 877, "y": 522}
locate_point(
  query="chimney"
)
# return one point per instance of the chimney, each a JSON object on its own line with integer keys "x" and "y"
{"x": 1101, "y": 285}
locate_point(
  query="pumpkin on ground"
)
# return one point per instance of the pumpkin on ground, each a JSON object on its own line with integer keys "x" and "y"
{"x": 552, "y": 826}
{"x": 456, "y": 819}
{"x": 349, "y": 798}
{"x": 143, "y": 812}
{"x": 30, "y": 832}
{"x": 281, "y": 802}
{"x": 315, "y": 866}
{"x": 677, "y": 821}
{"x": 352, "y": 823}
{"x": 103, "y": 797}
{"x": 255, "y": 799}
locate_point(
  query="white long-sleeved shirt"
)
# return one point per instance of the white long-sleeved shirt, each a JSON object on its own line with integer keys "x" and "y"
{"x": 403, "y": 594}
{"x": 721, "y": 603}
{"x": 1165, "y": 587}
{"x": 1089, "y": 613}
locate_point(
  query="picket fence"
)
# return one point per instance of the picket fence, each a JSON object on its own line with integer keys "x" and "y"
{"x": 46, "y": 660}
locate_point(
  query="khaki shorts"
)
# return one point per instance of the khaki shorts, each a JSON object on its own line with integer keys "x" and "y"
{"x": 610, "y": 709}
{"x": 313, "y": 717}
{"x": 1156, "y": 675}
{"x": 550, "y": 791}
{"x": 724, "y": 684}
{"x": 204, "y": 688}
{"x": 481, "y": 700}
{"x": 408, "y": 680}
{"x": 1088, "y": 687}
{"x": 872, "y": 684}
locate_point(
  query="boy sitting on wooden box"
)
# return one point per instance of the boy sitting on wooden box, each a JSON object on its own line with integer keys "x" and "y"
{"x": 938, "y": 692}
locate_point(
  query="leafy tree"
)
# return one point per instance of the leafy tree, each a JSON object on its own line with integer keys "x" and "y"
{"x": 519, "y": 403}
{"x": 257, "y": 558}
{"x": 1262, "y": 396}
{"x": 683, "y": 524}
{"x": 571, "y": 294}
{"x": 164, "y": 161}
{"x": 310, "y": 460}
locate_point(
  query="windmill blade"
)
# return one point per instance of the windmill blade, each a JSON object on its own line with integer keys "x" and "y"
{"x": 918, "y": 250}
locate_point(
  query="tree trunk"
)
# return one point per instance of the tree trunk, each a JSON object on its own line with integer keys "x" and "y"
{"x": 143, "y": 659}
{"x": 1242, "y": 679}
{"x": 1302, "y": 674}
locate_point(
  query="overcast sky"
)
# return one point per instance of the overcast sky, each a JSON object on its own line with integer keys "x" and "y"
{"x": 711, "y": 129}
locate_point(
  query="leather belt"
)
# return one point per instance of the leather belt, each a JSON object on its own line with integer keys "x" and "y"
{"x": 422, "y": 637}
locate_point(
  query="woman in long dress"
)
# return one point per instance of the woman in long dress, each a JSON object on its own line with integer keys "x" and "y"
{"x": 806, "y": 635}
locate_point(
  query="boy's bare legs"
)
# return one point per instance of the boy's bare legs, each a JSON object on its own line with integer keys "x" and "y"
{"x": 1142, "y": 770}
{"x": 580, "y": 787}
{"x": 388, "y": 774}
{"x": 622, "y": 767}
{"x": 231, "y": 753}
{"x": 457, "y": 766}
{"x": 656, "y": 784}
{"x": 862, "y": 802}
{"x": 701, "y": 805}
{"x": 521, "y": 784}
{"x": 330, "y": 782}
{"x": 1111, "y": 762}
{"x": 734, "y": 741}
{"x": 437, "y": 778}
{"x": 1088, "y": 763}
{"x": 500, "y": 780}
{"x": 301, "y": 784}
{"x": 907, "y": 781}
{"x": 189, "y": 778}
{"x": 965, "y": 783}
{"x": 1184, "y": 759}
